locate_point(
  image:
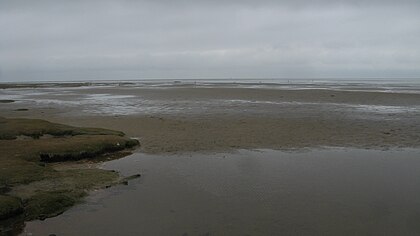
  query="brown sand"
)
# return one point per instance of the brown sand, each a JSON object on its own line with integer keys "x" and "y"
{"x": 168, "y": 134}
{"x": 250, "y": 126}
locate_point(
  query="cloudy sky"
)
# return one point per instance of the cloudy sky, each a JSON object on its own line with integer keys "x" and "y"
{"x": 127, "y": 39}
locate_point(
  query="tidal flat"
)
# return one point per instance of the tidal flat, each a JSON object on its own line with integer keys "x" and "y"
{"x": 327, "y": 149}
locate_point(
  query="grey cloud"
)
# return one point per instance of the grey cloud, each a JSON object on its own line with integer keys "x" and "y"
{"x": 64, "y": 40}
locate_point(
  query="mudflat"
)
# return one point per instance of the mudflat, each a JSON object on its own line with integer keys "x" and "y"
{"x": 227, "y": 117}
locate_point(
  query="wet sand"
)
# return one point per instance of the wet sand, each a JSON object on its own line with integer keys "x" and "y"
{"x": 182, "y": 119}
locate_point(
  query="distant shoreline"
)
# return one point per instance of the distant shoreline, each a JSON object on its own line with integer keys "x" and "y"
{"x": 221, "y": 80}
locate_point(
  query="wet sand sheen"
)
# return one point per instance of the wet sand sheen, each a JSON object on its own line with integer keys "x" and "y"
{"x": 316, "y": 192}
{"x": 223, "y": 118}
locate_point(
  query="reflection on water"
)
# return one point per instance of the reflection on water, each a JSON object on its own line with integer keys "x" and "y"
{"x": 315, "y": 192}
{"x": 141, "y": 101}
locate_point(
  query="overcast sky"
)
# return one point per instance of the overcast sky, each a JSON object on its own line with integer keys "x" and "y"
{"x": 80, "y": 40}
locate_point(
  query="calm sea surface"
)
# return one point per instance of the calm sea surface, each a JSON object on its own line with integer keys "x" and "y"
{"x": 329, "y": 191}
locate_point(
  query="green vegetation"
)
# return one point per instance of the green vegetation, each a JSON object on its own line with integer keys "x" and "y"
{"x": 12, "y": 128}
{"x": 48, "y": 204}
{"x": 32, "y": 185}
{"x": 10, "y": 206}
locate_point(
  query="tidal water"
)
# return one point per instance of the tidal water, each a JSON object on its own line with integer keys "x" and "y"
{"x": 331, "y": 191}
{"x": 160, "y": 98}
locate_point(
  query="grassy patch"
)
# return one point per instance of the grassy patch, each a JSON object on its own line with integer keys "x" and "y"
{"x": 48, "y": 204}
{"x": 11, "y": 128}
{"x": 16, "y": 171}
{"x": 83, "y": 146}
{"x": 10, "y": 206}
{"x": 34, "y": 186}
{"x": 88, "y": 178}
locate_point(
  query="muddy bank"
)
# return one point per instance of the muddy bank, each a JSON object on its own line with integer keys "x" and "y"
{"x": 224, "y": 133}
{"x": 39, "y": 177}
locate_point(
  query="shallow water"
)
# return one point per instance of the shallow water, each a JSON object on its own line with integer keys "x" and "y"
{"x": 314, "y": 192}
{"x": 147, "y": 100}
